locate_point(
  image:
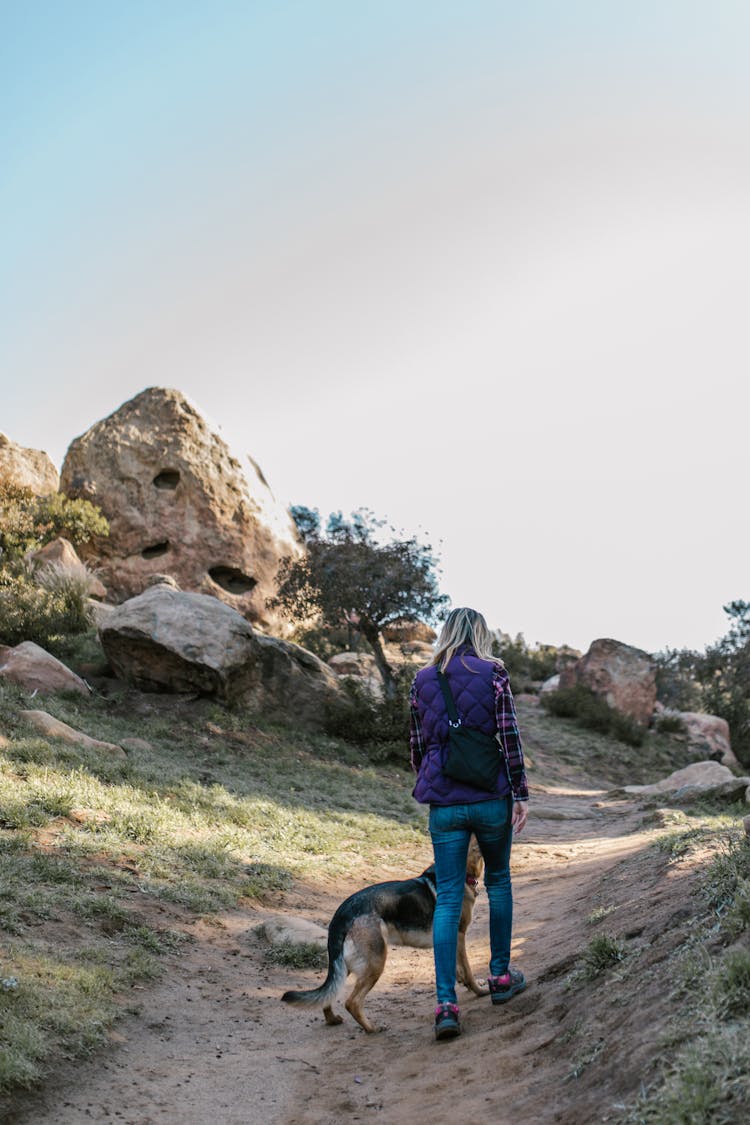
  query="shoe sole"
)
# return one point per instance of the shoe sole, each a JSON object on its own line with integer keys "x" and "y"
{"x": 447, "y": 1033}
{"x": 506, "y": 996}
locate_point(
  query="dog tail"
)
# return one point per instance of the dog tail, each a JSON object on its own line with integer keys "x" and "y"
{"x": 337, "y": 974}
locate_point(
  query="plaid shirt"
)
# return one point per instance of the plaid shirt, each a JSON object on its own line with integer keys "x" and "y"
{"x": 507, "y": 728}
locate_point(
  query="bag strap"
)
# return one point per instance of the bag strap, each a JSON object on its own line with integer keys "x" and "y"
{"x": 450, "y": 703}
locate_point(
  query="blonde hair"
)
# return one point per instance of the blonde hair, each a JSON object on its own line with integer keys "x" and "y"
{"x": 463, "y": 627}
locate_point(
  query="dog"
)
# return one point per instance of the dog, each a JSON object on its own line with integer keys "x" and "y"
{"x": 358, "y": 933}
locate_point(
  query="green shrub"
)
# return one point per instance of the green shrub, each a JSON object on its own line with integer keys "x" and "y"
{"x": 594, "y": 713}
{"x": 670, "y": 723}
{"x": 732, "y": 991}
{"x": 526, "y": 664}
{"x": 602, "y": 952}
{"x": 380, "y": 726}
{"x": 31, "y": 613}
{"x": 297, "y": 955}
{"x": 28, "y": 521}
{"x": 728, "y": 885}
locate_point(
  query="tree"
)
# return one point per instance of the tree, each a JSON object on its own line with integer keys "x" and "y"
{"x": 349, "y": 577}
{"x": 717, "y": 680}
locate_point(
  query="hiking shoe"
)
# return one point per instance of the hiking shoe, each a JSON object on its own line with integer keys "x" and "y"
{"x": 447, "y": 1023}
{"x": 505, "y": 986}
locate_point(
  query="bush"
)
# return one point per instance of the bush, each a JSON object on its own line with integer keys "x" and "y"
{"x": 669, "y": 723}
{"x": 594, "y": 713}
{"x": 45, "y": 616}
{"x": 732, "y": 992}
{"x": 381, "y": 726}
{"x": 602, "y": 953}
{"x": 527, "y": 665}
{"x": 28, "y": 521}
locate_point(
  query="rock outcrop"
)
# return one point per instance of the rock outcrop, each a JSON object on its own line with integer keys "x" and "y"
{"x": 179, "y": 503}
{"x": 170, "y": 640}
{"x": 622, "y": 675}
{"x": 30, "y": 468}
{"x": 36, "y": 670}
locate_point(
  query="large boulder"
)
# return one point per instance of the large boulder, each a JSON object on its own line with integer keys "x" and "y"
{"x": 179, "y": 503}
{"x": 360, "y": 667}
{"x": 30, "y": 468}
{"x": 170, "y": 640}
{"x": 701, "y": 779}
{"x": 36, "y": 670}
{"x": 709, "y": 736}
{"x": 622, "y": 675}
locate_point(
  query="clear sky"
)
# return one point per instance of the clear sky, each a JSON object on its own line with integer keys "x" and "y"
{"x": 480, "y": 267}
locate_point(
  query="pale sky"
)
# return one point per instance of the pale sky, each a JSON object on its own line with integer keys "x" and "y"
{"x": 482, "y": 268}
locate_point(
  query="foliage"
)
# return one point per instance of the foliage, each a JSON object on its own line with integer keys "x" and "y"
{"x": 297, "y": 954}
{"x": 594, "y": 713}
{"x": 351, "y": 578}
{"x": 380, "y": 726}
{"x": 526, "y": 664}
{"x": 46, "y": 608}
{"x": 670, "y": 723}
{"x": 716, "y": 681}
{"x": 215, "y": 808}
{"x": 708, "y": 1077}
{"x": 602, "y": 952}
{"x": 45, "y": 616}
{"x": 28, "y": 521}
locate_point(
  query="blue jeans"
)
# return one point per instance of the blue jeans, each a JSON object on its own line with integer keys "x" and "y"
{"x": 451, "y": 827}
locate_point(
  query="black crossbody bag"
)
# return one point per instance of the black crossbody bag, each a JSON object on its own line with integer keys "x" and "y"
{"x": 472, "y": 756}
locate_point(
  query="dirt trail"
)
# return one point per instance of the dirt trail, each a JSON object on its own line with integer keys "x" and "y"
{"x": 213, "y": 1043}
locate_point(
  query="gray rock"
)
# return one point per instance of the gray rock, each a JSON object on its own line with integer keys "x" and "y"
{"x": 171, "y": 640}
{"x": 36, "y": 670}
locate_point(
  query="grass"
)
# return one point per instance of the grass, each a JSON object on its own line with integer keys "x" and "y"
{"x": 298, "y": 955}
{"x": 219, "y": 809}
{"x": 604, "y": 762}
{"x": 602, "y": 952}
{"x": 215, "y": 810}
{"x": 706, "y": 1073}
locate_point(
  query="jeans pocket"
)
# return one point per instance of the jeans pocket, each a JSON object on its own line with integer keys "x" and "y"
{"x": 444, "y": 818}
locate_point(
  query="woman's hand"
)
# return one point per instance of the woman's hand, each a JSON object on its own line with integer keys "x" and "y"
{"x": 518, "y": 816}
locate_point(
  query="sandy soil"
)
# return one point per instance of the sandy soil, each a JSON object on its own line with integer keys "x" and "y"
{"x": 213, "y": 1043}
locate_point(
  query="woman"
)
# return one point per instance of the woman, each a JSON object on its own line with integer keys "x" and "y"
{"x": 481, "y": 692}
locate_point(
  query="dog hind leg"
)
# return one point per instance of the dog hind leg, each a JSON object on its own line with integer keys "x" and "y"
{"x": 365, "y": 952}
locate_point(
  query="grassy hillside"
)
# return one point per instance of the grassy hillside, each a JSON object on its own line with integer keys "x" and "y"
{"x": 105, "y": 861}
{"x": 102, "y": 858}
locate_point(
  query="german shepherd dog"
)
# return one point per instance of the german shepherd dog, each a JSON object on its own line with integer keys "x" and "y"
{"x": 401, "y": 911}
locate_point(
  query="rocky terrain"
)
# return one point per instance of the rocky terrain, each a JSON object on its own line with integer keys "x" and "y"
{"x": 169, "y": 800}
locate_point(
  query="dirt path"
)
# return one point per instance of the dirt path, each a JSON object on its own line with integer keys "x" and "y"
{"x": 213, "y": 1043}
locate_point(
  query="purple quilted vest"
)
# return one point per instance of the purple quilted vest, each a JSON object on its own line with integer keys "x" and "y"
{"x": 470, "y": 682}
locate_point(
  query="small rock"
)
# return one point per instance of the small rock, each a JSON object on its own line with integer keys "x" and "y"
{"x": 36, "y": 670}
{"x": 137, "y": 745}
{"x": 51, "y": 727}
{"x": 746, "y": 825}
{"x": 294, "y": 930}
{"x": 88, "y": 816}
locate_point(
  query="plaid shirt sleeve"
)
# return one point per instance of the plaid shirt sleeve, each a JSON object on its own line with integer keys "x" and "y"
{"x": 510, "y": 739}
{"x": 416, "y": 738}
